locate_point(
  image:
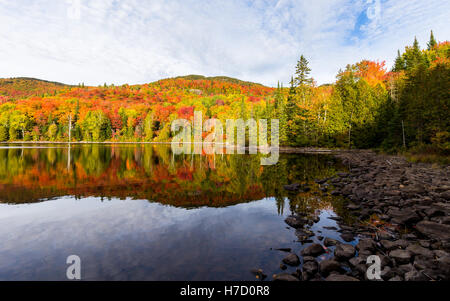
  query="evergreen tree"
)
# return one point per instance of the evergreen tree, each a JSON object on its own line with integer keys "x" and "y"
{"x": 432, "y": 43}
{"x": 302, "y": 72}
{"x": 399, "y": 64}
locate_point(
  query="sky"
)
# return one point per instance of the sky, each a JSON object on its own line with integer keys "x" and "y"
{"x": 136, "y": 41}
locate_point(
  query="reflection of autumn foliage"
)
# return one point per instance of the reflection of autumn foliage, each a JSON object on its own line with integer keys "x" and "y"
{"x": 146, "y": 172}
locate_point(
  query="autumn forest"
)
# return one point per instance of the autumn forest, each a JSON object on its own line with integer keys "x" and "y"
{"x": 370, "y": 105}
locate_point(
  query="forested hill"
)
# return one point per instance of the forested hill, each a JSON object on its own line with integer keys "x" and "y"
{"x": 23, "y": 87}
{"x": 369, "y": 105}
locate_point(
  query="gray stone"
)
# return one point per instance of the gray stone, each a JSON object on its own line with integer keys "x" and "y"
{"x": 344, "y": 251}
{"x": 401, "y": 256}
{"x": 295, "y": 221}
{"x": 415, "y": 276}
{"x": 291, "y": 260}
{"x": 328, "y": 266}
{"x": 313, "y": 250}
{"x": 434, "y": 230}
{"x": 328, "y": 242}
{"x": 284, "y": 277}
{"x": 341, "y": 278}
{"x": 310, "y": 267}
{"x": 366, "y": 245}
{"x": 418, "y": 250}
{"x": 391, "y": 245}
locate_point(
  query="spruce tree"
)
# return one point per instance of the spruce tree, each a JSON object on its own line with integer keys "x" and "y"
{"x": 432, "y": 43}
{"x": 302, "y": 72}
{"x": 399, "y": 63}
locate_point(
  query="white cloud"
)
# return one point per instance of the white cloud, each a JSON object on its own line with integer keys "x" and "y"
{"x": 136, "y": 42}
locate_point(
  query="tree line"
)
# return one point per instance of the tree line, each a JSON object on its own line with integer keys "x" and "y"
{"x": 367, "y": 107}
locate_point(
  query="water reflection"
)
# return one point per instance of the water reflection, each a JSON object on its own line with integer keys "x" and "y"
{"x": 137, "y": 212}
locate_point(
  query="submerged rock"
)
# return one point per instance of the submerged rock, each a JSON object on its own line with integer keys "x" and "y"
{"x": 295, "y": 221}
{"x": 313, "y": 250}
{"x": 292, "y": 260}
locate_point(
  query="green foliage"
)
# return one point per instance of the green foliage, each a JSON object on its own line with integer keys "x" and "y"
{"x": 3, "y": 133}
{"x": 52, "y": 132}
{"x": 148, "y": 127}
{"x": 96, "y": 126}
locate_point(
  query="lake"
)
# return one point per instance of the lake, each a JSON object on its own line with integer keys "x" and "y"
{"x": 138, "y": 212}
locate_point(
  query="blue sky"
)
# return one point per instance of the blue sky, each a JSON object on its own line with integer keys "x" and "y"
{"x": 131, "y": 41}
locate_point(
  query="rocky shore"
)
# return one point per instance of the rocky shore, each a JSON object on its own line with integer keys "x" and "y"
{"x": 402, "y": 213}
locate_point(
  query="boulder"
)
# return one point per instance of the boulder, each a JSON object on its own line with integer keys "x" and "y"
{"x": 284, "y": 277}
{"x": 418, "y": 250}
{"x": 310, "y": 267}
{"x": 313, "y": 250}
{"x": 292, "y": 260}
{"x": 328, "y": 266}
{"x": 434, "y": 230}
{"x": 328, "y": 242}
{"x": 295, "y": 221}
{"x": 344, "y": 251}
{"x": 366, "y": 245}
{"x": 401, "y": 256}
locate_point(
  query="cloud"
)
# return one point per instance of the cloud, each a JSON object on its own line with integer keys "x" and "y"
{"x": 134, "y": 41}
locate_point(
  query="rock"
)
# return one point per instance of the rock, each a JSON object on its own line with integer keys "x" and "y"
{"x": 391, "y": 245}
{"x": 387, "y": 273}
{"x": 344, "y": 251}
{"x": 328, "y": 242}
{"x": 405, "y": 268}
{"x": 291, "y": 260}
{"x": 401, "y": 256}
{"x": 295, "y": 221}
{"x": 418, "y": 250}
{"x": 322, "y": 181}
{"x": 288, "y": 250}
{"x": 404, "y": 216}
{"x": 415, "y": 275}
{"x": 356, "y": 261}
{"x": 341, "y": 278}
{"x": 347, "y": 236}
{"x": 396, "y": 278}
{"x": 353, "y": 207}
{"x": 308, "y": 258}
{"x": 284, "y": 277}
{"x": 330, "y": 228}
{"x": 366, "y": 245}
{"x": 259, "y": 274}
{"x": 313, "y": 250}
{"x": 434, "y": 230}
{"x": 328, "y": 266}
{"x": 310, "y": 267}
{"x": 292, "y": 187}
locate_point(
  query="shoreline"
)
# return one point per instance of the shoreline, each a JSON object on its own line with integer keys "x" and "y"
{"x": 403, "y": 217}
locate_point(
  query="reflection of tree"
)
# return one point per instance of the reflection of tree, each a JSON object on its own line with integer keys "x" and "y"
{"x": 152, "y": 172}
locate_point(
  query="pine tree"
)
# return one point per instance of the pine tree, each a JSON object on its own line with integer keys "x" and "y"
{"x": 399, "y": 63}
{"x": 432, "y": 43}
{"x": 302, "y": 72}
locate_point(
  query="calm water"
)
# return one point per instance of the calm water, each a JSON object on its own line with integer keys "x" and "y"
{"x": 137, "y": 212}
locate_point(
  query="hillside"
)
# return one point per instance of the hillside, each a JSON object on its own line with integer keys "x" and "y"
{"x": 23, "y": 87}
